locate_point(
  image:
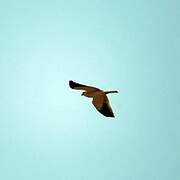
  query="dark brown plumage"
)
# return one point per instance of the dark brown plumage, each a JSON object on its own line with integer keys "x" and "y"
{"x": 100, "y": 99}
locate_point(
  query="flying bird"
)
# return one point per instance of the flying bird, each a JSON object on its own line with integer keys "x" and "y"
{"x": 100, "y": 99}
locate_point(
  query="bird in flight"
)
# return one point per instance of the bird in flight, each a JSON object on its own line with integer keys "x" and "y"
{"x": 100, "y": 99}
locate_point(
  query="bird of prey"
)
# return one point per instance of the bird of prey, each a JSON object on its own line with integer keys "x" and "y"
{"x": 100, "y": 100}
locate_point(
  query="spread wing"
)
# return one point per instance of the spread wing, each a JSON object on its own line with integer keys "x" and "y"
{"x": 75, "y": 85}
{"x": 101, "y": 103}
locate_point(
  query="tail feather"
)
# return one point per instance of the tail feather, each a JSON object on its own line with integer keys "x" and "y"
{"x": 108, "y": 92}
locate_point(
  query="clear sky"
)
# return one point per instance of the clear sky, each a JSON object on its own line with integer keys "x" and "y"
{"x": 48, "y": 131}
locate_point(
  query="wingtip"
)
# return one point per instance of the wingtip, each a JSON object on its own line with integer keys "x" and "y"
{"x": 71, "y": 84}
{"x": 112, "y": 116}
{"x": 74, "y": 85}
{"x": 106, "y": 111}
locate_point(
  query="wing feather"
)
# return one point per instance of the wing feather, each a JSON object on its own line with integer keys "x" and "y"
{"x": 75, "y": 85}
{"x": 102, "y": 104}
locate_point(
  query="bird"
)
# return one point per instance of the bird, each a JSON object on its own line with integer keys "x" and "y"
{"x": 99, "y": 97}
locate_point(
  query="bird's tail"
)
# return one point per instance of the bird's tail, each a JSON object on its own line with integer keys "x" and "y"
{"x": 107, "y": 92}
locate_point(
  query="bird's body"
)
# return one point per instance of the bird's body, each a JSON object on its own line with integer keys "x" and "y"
{"x": 100, "y": 100}
{"x": 91, "y": 94}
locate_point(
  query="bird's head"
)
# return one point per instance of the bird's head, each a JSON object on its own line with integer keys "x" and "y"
{"x": 83, "y": 94}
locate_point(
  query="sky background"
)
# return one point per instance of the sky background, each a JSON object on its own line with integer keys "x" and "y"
{"x": 48, "y": 131}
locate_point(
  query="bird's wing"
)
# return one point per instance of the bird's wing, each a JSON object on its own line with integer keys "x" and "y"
{"x": 101, "y": 103}
{"x": 75, "y": 85}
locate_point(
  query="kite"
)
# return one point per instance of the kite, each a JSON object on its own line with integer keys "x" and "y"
{"x": 100, "y": 99}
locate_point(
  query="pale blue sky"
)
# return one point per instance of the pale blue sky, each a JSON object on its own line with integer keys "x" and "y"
{"x": 48, "y": 131}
